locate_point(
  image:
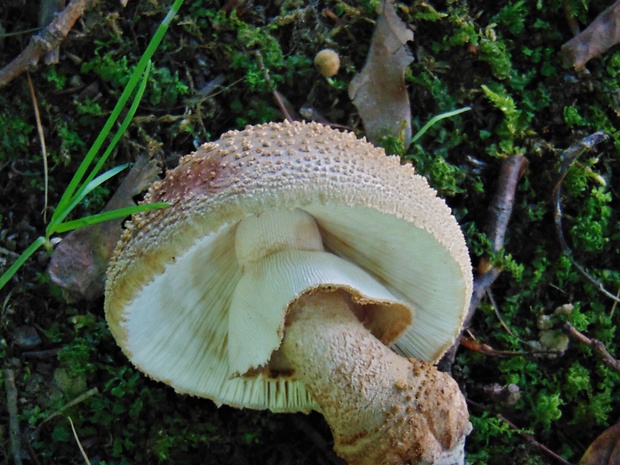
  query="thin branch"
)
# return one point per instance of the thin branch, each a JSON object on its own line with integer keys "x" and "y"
{"x": 48, "y": 39}
{"x": 77, "y": 400}
{"x": 285, "y": 107}
{"x": 568, "y": 158}
{"x": 571, "y": 21}
{"x": 532, "y": 440}
{"x": 486, "y": 349}
{"x": 597, "y": 346}
{"x": 528, "y": 437}
{"x": 11, "y": 406}
{"x": 37, "y": 117}
{"x": 500, "y": 211}
{"x": 79, "y": 443}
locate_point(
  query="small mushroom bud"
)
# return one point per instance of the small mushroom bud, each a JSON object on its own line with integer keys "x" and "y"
{"x": 327, "y": 62}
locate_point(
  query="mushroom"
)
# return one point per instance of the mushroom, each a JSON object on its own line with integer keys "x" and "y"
{"x": 296, "y": 269}
{"x": 327, "y": 62}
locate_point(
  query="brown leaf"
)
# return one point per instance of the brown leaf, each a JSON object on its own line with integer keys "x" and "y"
{"x": 80, "y": 260}
{"x": 597, "y": 38}
{"x": 605, "y": 450}
{"x": 379, "y": 90}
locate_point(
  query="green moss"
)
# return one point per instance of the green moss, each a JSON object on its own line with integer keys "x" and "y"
{"x": 59, "y": 81}
{"x": 14, "y": 137}
{"x": 546, "y": 408}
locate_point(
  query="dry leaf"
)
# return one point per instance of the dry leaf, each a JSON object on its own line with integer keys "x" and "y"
{"x": 80, "y": 260}
{"x": 378, "y": 91}
{"x": 597, "y": 38}
{"x": 605, "y": 450}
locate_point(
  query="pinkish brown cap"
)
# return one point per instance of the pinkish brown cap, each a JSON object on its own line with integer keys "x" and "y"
{"x": 189, "y": 308}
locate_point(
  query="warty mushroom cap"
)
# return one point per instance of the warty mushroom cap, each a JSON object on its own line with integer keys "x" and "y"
{"x": 390, "y": 243}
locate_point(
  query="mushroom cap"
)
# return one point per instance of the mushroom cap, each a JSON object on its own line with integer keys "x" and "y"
{"x": 327, "y": 62}
{"x": 172, "y": 279}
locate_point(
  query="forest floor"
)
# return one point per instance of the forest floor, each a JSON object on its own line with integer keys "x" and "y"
{"x": 219, "y": 68}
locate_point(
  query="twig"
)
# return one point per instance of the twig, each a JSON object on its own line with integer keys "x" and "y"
{"x": 11, "y": 406}
{"x": 568, "y": 158}
{"x": 79, "y": 443}
{"x": 597, "y": 346}
{"x": 286, "y": 107}
{"x": 8, "y": 252}
{"x": 497, "y": 313}
{"x": 40, "y": 354}
{"x": 571, "y": 21}
{"x": 48, "y": 39}
{"x": 528, "y": 437}
{"x": 286, "y": 110}
{"x": 77, "y": 400}
{"x": 37, "y": 117}
{"x": 486, "y": 349}
{"x": 500, "y": 211}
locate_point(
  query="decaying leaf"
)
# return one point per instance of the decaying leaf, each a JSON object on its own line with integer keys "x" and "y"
{"x": 378, "y": 91}
{"x": 80, "y": 260}
{"x": 597, "y": 38}
{"x": 605, "y": 450}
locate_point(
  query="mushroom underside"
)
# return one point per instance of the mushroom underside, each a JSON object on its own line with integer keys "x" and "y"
{"x": 382, "y": 408}
{"x": 195, "y": 350}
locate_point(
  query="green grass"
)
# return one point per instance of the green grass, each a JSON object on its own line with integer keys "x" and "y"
{"x": 81, "y": 183}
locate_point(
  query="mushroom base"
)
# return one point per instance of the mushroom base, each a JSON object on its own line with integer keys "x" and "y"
{"x": 383, "y": 409}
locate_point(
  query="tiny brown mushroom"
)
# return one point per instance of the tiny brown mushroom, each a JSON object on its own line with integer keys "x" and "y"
{"x": 327, "y": 62}
{"x": 296, "y": 269}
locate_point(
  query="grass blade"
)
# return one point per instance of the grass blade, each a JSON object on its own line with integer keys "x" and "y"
{"x": 107, "y": 216}
{"x": 437, "y": 118}
{"x": 53, "y": 227}
{"x": 71, "y": 202}
{"x": 8, "y": 274}
{"x": 65, "y": 200}
{"x": 121, "y": 130}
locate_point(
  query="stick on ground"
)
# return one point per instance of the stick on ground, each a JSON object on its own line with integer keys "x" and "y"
{"x": 11, "y": 406}
{"x": 48, "y": 39}
{"x": 597, "y": 346}
{"x": 569, "y": 156}
{"x": 500, "y": 211}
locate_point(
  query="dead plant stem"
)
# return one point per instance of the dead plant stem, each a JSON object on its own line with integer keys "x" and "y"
{"x": 77, "y": 400}
{"x": 568, "y": 158}
{"x": 48, "y": 39}
{"x": 499, "y": 211}
{"x": 528, "y": 437}
{"x": 597, "y": 346}
{"x": 37, "y": 117}
{"x": 11, "y": 405}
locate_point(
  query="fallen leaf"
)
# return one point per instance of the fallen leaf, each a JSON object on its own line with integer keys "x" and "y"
{"x": 602, "y": 34}
{"x": 80, "y": 260}
{"x": 378, "y": 91}
{"x": 605, "y": 450}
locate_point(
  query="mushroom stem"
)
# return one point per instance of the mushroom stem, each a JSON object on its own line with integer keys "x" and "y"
{"x": 383, "y": 409}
